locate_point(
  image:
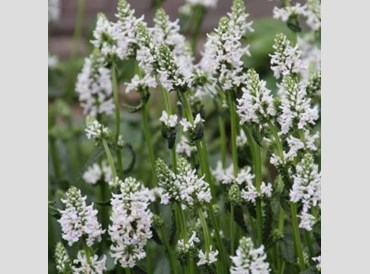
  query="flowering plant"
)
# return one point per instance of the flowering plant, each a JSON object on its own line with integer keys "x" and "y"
{"x": 215, "y": 170}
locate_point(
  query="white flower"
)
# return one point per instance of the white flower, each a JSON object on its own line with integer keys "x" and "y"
{"x": 95, "y": 130}
{"x": 318, "y": 260}
{"x": 310, "y": 55}
{"x": 249, "y": 259}
{"x": 286, "y": 59}
{"x": 204, "y": 3}
{"x": 52, "y": 61}
{"x": 207, "y": 258}
{"x": 223, "y": 52}
{"x": 185, "y": 186}
{"x": 53, "y": 10}
{"x": 94, "y": 86}
{"x": 183, "y": 247}
{"x": 62, "y": 260}
{"x": 124, "y": 31}
{"x": 224, "y": 176}
{"x": 284, "y": 13}
{"x": 295, "y": 105}
{"x": 313, "y": 14}
{"x": 241, "y": 139}
{"x": 168, "y": 120}
{"x": 94, "y": 173}
{"x": 256, "y": 104}
{"x": 93, "y": 265}
{"x": 131, "y": 222}
{"x": 138, "y": 84}
{"x": 306, "y": 221}
{"x": 79, "y": 220}
{"x": 184, "y": 147}
{"x": 188, "y": 126}
{"x": 103, "y": 37}
{"x": 306, "y": 184}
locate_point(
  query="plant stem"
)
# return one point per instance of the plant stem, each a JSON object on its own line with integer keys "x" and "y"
{"x": 127, "y": 270}
{"x": 149, "y": 143}
{"x": 55, "y": 161}
{"x": 296, "y": 235}
{"x": 206, "y": 235}
{"x": 110, "y": 159}
{"x": 198, "y": 23}
{"x": 221, "y": 126}
{"x": 256, "y": 155}
{"x": 233, "y": 120}
{"x": 78, "y": 27}
{"x": 309, "y": 243}
{"x": 118, "y": 119}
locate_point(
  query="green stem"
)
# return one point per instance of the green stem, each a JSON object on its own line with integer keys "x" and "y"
{"x": 281, "y": 220}
{"x": 127, "y": 270}
{"x": 118, "y": 119}
{"x": 149, "y": 143}
{"x": 309, "y": 243}
{"x": 110, "y": 159}
{"x": 198, "y": 23}
{"x": 55, "y": 160}
{"x": 104, "y": 210}
{"x": 296, "y": 235}
{"x": 172, "y": 258}
{"x": 221, "y": 126}
{"x": 78, "y": 27}
{"x": 206, "y": 235}
{"x": 256, "y": 155}
{"x": 234, "y": 127}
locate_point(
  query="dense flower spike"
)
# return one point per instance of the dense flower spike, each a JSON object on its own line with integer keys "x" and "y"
{"x": 173, "y": 76}
{"x": 97, "y": 172}
{"x": 103, "y": 37}
{"x": 249, "y": 259}
{"x": 314, "y": 14}
{"x": 94, "y": 86}
{"x": 95, "y": 130}
{"x": 89, "y": 264}
{"x": 207, "y": 258}
{"x": 185, "y": 186}
{"x": 131, "y": 222}
{"x": 62, "y": 260}
{"x": 286, "y": 59}
{"x": 295, "y": 105}
{"x": 124, "y": 31}
{"x": 222, "y": 56}
{"x": 79, "y": 220}
{"x": 306, "y": 189}
{"x": 256, "y": 104}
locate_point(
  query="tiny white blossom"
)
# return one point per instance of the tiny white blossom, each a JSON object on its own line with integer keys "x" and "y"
{"x": 318, "y": 260}
{"x": 95, "y": 130}
{"x": 184, "y": 247}
{"x": 184, "y": 147}
{"x": 306, "y": 221}
{"x": 93, "y": 265}
{"x": 95, "y": 172}
{"x": 207, "y": 258}
{"x": 53, "y": 10}
{"x": 52, "y": 61}
{"x": 168, "y": 120}
{"x": 188, "y": 126}
{"x": 249, "y": 259}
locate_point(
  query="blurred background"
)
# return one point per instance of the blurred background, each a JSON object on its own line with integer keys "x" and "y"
{"x": 61, "y": 32}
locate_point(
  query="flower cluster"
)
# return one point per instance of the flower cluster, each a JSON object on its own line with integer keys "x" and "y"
{"x": 295, "y": 105}
{"x": 306, "y": 189}
{"x": 208, "y": 257}
{"x": 95, "y": 130}
{"x": 131, "y": 222}
{"x": 310, "y": 11}
{"x": 94, "y": 86}
{"x": 168, "y": 120}
{"x": 244, "y": 179}
{"x": 187, "y": 246}
{"x": 286, "y": 59}
{"x": 249, "y": 259}
{"x": 62, "y": 260}
{"x": 89, "y": 264}
{"x": 256, "y": 104}
{"x": 223, "y": 51}
{"x": 96, "y": 172}
{"x": 184, "y": 147}
{"x": 79, "y": 220}
{"x": 185, "y": 186}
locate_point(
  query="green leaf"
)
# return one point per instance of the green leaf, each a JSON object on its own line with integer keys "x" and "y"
{"x": 287, "y": 250}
